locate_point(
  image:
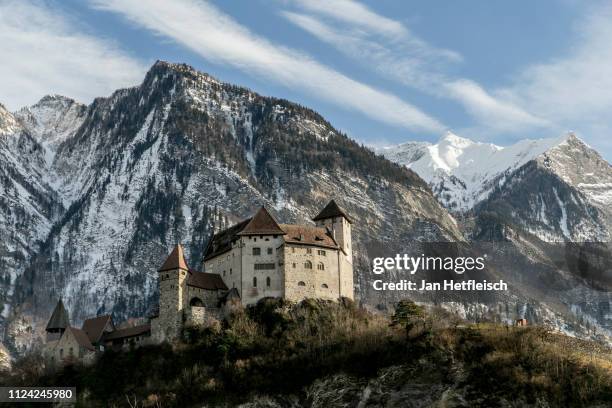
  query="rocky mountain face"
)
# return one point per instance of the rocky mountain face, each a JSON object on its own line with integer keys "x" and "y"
{"x": 29, "y": 205}
{"x": 114, "y": 185}
{"x": 540, "y": 208}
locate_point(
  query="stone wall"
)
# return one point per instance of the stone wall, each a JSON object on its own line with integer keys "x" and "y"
{"x": 228, "y": 265}
{"x": 67, "y": 349}
{"x": 269, "y": 257}
{"x": 209, "y": 298}
{"x": 172, "y": 297}
{"x": 301, "y": 282}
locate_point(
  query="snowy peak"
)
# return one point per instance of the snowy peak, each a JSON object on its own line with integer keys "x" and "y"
{"x": 581, "y": 167}
{"x": 53, "y": 119}
{"x": 462, "y": 172}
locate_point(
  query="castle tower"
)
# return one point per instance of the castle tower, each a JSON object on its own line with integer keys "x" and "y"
{"x": 58, "y": 322}
{"x": 335, "y": 219}
{"x": 338, "y": 223}
{"x": 173, "y": 276}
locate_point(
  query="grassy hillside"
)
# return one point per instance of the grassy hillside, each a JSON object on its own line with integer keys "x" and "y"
{"x": 321, "y": 354}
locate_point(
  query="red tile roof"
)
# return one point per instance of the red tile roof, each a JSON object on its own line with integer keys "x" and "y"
{"x": 262, "y": 223}
{"x": 94, "y": 327}
{"x": 308, "y": 235}
{"x": 176, "y": 260}
{"x": 81, "y": 338}
{"x": 221, "y": 242}
{"x": 128, "y": 332}
{"x": 210, "y": 281}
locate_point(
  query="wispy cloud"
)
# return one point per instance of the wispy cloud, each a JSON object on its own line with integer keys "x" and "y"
{"x": 405, "y": 59}
{"x": 396, "y": 53}
{"x": 215, "y": 36}
{"x": 576, "y": 89}
{"x": 43, "y": 53}
{"x": 492, "y": 113}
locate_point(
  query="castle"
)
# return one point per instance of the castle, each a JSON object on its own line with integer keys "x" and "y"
{"x": 251, "y": 260}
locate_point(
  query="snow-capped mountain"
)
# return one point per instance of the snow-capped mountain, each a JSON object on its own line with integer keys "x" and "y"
{"x": 181, "y": 154}
{"x": 462, "y": 172}
{"x": 559, "y": 188}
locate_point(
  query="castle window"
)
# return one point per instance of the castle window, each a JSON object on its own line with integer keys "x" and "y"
{"x": 268, "y": 281}
{"x": 294, "y": 265}
{"x": 324, "y": 286}
{"x": 255, "y": 281}
{"x": 167, "y": 276}
{"x": 230, "y": 271}
{"x": 301, "y": 283}
{"x": 309, "y": 250}
{"x": 269, "y": 251}
{"x": 71, "y": 352}
{"x": 223, "y": 273}
{"x": 256, "y": 251}
{"x": 263, "y": 266}
{"x": 308, "y": 265}
{"x": 321, "y": 252}
{"x": 61, "y": 353}
{"x": 267, "y": 239}
{"x": 320, "y": 266}
{"x": 293, "y": 250}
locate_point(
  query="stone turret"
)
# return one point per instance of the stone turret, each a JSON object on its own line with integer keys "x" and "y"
{"x": 173, "y": 276}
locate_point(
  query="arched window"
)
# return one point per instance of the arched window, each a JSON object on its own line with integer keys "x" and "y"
{"x": 321, "y": 266}
{"x": 308, "y": 265}
{"x": 324, "y": 286}
{"x": 255, "y": 281}
{"x": 268, "y": 281}
{"x": 196, "y": 302}
{"x": 301, "y": 283}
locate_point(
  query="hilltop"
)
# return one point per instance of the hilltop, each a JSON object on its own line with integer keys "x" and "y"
{"x": 326, "y": 354}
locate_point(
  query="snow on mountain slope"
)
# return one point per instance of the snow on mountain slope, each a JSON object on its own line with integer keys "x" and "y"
{"x": 181, "y": 154}
{"x": 28, "y": 205}
{"x": 582, "y": 167}
{"x": 462, "y": 172}
{"x": 53, "y": 119}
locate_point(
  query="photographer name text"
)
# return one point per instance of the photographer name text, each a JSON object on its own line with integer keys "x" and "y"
{"x": 405, "y": 264}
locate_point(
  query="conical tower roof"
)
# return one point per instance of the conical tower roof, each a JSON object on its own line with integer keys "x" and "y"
{"x": 262, "y": 223}
{"x": 59, "y": 319}
{"x": 331, "y": 210}
{"x": 176, "y": 260}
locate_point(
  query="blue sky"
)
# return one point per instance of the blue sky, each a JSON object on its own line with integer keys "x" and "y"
{"x": 382, "y": 71}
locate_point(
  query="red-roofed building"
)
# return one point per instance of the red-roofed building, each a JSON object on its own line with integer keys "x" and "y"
{"x": 260, "y": 257}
